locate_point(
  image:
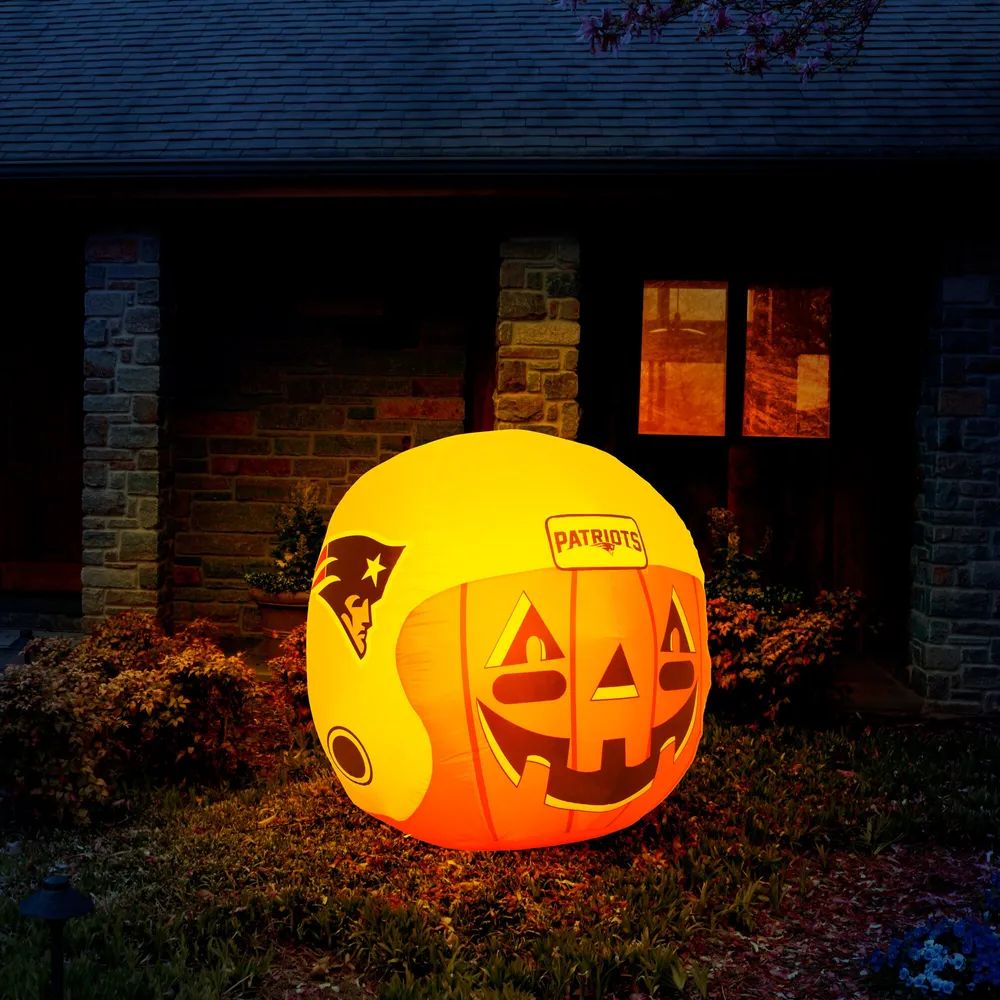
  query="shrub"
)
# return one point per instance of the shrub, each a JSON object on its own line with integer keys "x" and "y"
{"x": 767, "y": 649}
{"x": 128, "y": 704}
{"x": 301, "y": 528}
{"x": 289, "y": 672}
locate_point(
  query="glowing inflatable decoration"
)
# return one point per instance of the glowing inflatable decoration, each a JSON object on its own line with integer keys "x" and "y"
{"x": 506, "y": 642}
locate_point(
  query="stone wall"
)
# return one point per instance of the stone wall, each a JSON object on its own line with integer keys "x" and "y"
{"x": 125, "y": 549}
{"x": 322, "y": 417}
{"x": 955, "y": 560}
{"x": 537, "y": 334}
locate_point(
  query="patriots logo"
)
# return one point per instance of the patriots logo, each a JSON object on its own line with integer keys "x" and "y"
{"x": 351, "y": 575}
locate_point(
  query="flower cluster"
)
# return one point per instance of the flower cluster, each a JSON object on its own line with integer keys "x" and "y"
{"x": 807, "y": 35}
{"x": 942, "y": 956}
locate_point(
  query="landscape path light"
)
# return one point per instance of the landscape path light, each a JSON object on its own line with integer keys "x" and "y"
{"x": 56, "y": 902}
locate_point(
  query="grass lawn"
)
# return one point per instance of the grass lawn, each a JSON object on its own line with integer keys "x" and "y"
{"x": 784, "y": 857}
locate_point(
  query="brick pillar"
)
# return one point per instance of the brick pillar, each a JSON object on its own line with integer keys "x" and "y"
{"x": 537, "y": 332}
{"x": 955, "y": 560}
{"x": 125, "y": 551}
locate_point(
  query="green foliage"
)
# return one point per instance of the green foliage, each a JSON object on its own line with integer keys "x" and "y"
{"x": 768, "y": 648}
{"x": 127, "y": 705}
{"x": 301, "y": 528}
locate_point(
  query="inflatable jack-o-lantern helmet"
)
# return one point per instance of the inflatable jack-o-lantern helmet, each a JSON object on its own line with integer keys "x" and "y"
{"x": 506, "y": 642}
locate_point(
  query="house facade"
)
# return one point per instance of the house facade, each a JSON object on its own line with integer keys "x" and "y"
{"x": 783, "y": 302}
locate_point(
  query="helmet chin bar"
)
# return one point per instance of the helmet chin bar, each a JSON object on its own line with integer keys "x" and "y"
{"x": 613, "y": 786}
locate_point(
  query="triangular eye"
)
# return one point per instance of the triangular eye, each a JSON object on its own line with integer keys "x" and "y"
{"x": 677, "y": 622}
{"x": 524, "y": 622}
{"x": 617, "y": 681}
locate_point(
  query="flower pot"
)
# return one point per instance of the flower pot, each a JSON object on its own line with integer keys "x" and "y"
{"x": 279, "y": 614}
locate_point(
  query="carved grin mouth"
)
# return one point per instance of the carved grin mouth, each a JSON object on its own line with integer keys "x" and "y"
{"x": 613, "y": 786}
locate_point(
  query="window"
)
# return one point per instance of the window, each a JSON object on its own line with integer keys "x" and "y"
{"x": 682, "y": 380}
{"x": 787, "y": 388}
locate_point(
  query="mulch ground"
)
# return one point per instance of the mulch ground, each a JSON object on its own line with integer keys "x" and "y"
{"x": 813, "y": 950}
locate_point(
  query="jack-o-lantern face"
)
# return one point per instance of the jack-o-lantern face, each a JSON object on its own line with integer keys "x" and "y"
{"x": 579, "y": 692}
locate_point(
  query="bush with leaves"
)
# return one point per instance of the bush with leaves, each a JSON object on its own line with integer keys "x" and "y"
{"x": 768, "y": 648}
{"x": 301, "y": 528}
{"x": 127, "y": 705}
{"x": 288, "y": 670}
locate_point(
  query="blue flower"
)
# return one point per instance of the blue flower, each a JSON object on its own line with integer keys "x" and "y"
{"x": 904, "y": 973}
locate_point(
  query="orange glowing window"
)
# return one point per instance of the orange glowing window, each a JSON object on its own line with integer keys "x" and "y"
{"x": 682, "y": 381}
{"x": 787, "y": 388}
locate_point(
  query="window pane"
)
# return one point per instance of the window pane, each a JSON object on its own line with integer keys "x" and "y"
{"x": 787, "y": 390}
{"x": 682, "y": 380}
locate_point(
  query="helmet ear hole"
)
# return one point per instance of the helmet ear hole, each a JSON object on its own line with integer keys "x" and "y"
{"x": 349, "y": 755}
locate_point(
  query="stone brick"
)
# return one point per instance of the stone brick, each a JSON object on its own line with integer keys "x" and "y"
{"x": 423, "y": 409}
{"x": 561, "y": 386}
{"x": 541, "y": 428}
{"x": 187, "y": 576}
{"x": 95, "y": 474}
{"x": 570, "y": 359}
{"x": 147, "y": 460}
{"x": 144, "y": 483}
{"x": 133, "y": 436}
{"x": 103, "y": 303}
{"x": 504, "y": 333}
{"x": 239, "y": 446}
{"x": 276, "y": 490}
{"x": 346, "y": 444}
{"x": 981, "y": 677}
{"x": 95, "y": 430}
{"x": 561, "y": 284}
{"x": 138, "y": 545}
{"x": 225, "y": 466}
{"x": 138, "y": 379}
{"x": 93, "y": 601}
{"x": 305, "y": 390}
{"x": 958, "y": 603}
{"x": 214, "y": 423}
{"x": 530, "y": 353}
{"x": 527, "y": 249}
{"x": 103, "y": 249}
{"x": 231, "y": 516}
{"x": 569, "y": 308}
{"x": 94, "y": 539}
{"x": 552, "y": 332}
{"x": 941, "y": 657}
{"x": 534, "y": 382}
{"x": 147, "y": 293}
{"x": 102, "y": 576}
{"x": 214, "y": 542}
{"x": 93, "y": 557}
{"x": 281, "y": 416}
{"x": 335, "y": 493}
{"x": 95, "y": 332}
{"x": 434, "y": 430}
{"x": 521, "y": 305}
{"x": 967, "y": 288}
{"x": 322, "y": 468}
{"x": 142, "y": 319}
{"x": 394, "y": 442}
{"x": 366, "y": 385}
{"x": 570, "y": 420}
{"x": 145, "y": 409}
{"x": 520, "y": 407}
{"x": 99, "y": 364}
{"x": 552, "y": 412}
{"x": 512, "y": 274}
{"x": 148, "y": 513}
{"x": 430, "y": 386}
{"x": 113, "y": 403}
{"x": 291, "y": 446}
{"x": 534, "y": 280}
{"x": 131, "y": 598}
{"x": 357, "y": 467}
{"x": 95, "y": 275}
{"x": 962, "y": 402}
{"x": 549, "y": 366}
{"x": 146, "y": 350}
{"x": 511, "y": 376}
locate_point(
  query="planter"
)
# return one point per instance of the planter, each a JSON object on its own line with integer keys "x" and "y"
{"x": 279, "y": 614}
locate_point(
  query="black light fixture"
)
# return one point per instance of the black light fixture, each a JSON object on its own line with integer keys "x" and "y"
{"x": 56, "y": 902}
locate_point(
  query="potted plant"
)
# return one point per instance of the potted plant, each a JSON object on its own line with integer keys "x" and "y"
{"x": 282, "y": 594}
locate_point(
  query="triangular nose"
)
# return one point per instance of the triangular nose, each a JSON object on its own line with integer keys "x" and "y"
{"x": 617, "y": 681}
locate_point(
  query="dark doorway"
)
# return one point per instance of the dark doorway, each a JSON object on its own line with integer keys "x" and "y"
{"x": 41, "y": 419}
